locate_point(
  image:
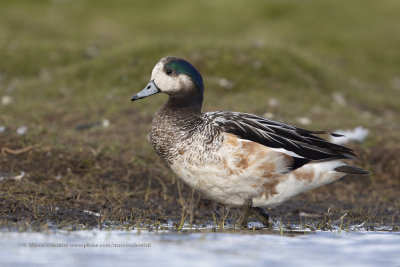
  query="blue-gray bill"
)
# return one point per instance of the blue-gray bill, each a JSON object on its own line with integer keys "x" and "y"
{"x": 149, "y": 90}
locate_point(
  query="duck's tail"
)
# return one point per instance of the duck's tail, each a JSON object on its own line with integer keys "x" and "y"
{"x": 348, "y": 169}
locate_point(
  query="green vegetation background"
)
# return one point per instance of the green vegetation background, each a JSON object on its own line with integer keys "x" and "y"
{"x": 77, "y": 63}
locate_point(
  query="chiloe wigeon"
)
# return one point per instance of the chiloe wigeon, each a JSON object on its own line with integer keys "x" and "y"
{"x": 237, "y": 159}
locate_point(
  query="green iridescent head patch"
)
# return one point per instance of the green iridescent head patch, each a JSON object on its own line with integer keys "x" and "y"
{"x": 182, "y": 66}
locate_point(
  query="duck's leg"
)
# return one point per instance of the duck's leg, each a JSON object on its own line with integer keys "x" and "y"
{"x": 261, "y": 215}
{"x": 216, "y": 213}
{"x": 245, "y": 214}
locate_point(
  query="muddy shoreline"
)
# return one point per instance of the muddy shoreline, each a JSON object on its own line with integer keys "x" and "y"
{"x": 82, "y": 190}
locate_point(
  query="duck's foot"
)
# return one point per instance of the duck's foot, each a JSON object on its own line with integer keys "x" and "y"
{"x": 242, "y": 223}
{"x": 261, "y": 215}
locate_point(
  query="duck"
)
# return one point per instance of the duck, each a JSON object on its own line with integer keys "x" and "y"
{"x": 237, "y": 159}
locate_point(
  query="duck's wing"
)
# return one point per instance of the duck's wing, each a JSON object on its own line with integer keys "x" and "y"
{"x": 302, "y": 144}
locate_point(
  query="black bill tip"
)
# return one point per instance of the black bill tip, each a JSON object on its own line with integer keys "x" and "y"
{"x": 135, "y": 97}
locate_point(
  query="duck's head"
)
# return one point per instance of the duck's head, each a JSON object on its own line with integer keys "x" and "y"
{"x": 175, "y": 77}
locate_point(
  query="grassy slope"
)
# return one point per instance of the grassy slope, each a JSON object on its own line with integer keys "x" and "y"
{"x": 68, "y": 63}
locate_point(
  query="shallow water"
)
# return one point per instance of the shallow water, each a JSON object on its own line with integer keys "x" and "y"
{"x": 168, "y": 248}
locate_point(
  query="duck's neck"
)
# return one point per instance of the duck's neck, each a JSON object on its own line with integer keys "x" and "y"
{"x": 183, "y": 105}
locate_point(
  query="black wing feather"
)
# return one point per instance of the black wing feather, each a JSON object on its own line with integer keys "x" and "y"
{"x": 275, "y": 134}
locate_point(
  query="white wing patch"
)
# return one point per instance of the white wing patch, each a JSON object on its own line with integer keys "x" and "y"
{"x": 287, "y": 152}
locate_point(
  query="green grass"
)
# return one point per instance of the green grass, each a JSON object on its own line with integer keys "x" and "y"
{"x": 69, "y": 63}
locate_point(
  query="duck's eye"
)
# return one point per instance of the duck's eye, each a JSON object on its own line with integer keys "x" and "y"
{"x": 168, "y": 71}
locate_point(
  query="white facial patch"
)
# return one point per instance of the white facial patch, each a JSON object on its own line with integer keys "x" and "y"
{"x": 169, "y": 84}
